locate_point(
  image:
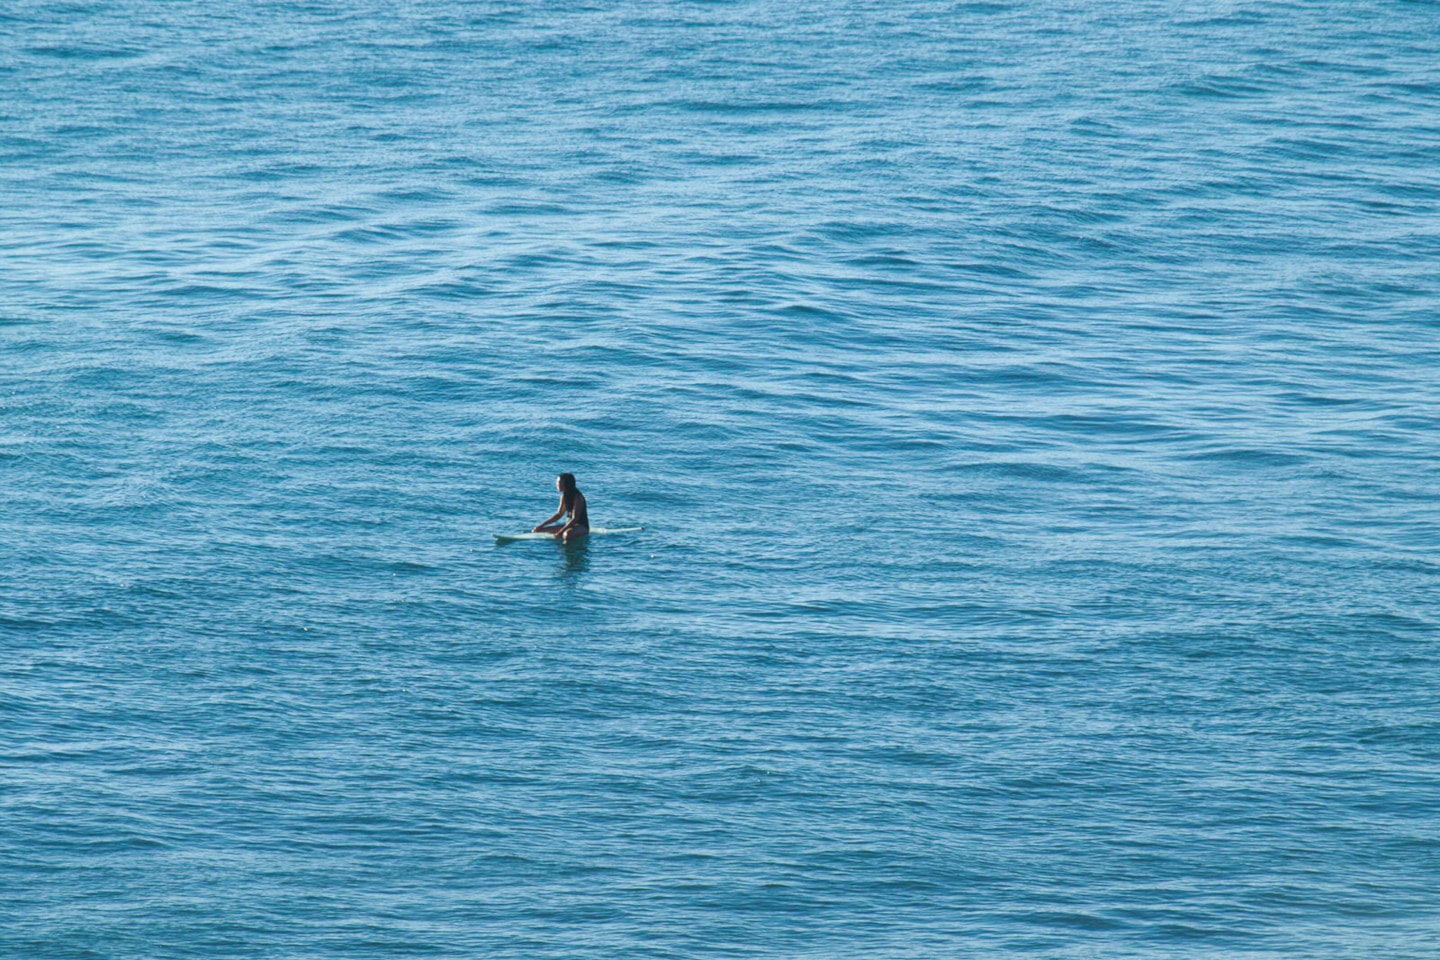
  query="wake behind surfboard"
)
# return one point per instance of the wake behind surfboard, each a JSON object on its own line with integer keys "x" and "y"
{"x": 503, "y": 538}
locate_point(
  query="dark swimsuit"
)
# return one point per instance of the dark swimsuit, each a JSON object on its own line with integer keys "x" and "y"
{"x": 579, "y": 514}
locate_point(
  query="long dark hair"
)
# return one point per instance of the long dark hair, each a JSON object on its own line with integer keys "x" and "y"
{"x": 567, "y": 490}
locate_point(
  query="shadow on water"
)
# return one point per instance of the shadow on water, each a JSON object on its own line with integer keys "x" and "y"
{"x": 576, "y": 558}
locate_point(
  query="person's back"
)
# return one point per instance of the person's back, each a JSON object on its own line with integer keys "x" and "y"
{"x": 579, "y": 512}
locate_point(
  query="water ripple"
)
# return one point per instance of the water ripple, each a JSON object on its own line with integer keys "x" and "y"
{"x": 1029, "y": 409}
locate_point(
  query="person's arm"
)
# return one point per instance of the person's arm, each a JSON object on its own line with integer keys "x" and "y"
{"x": 551, "y": 519}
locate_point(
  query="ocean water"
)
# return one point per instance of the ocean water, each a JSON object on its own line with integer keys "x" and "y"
{"x": 1032, "y": 411}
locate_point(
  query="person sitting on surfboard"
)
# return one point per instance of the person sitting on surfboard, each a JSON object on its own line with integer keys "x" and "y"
{"x": 572, "y": 501}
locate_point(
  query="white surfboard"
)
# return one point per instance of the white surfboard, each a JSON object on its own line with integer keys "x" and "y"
{"x": 503, "y": 538}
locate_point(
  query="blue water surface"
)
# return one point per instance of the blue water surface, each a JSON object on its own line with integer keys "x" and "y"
{"x": 1031, "y": 409}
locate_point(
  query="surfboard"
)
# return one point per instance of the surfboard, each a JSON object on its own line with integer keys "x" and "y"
{"x": 503, "y": 538}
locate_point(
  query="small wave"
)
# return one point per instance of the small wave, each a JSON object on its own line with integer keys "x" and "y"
{"x": 1221, "y": 88}
{"x": 1258, "y": 457}
{"x": 72, "y": 52}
